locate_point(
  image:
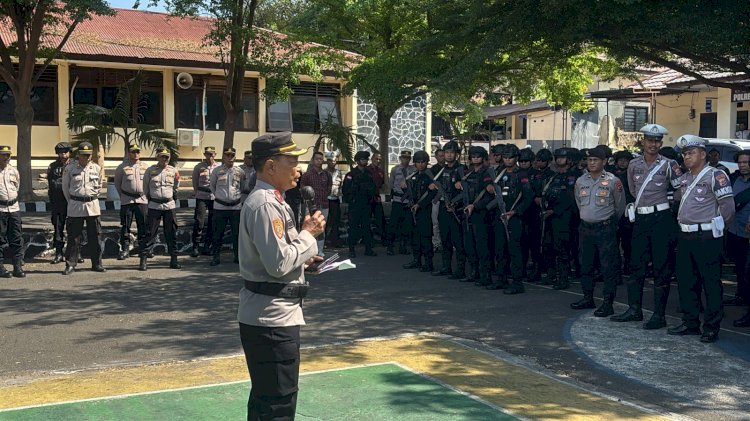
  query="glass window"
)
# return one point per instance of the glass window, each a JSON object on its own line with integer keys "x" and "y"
{"x": 84, "y": 96}
{"x": 188, "y": 109}
{"x": 279, "y": 116}
{"x": 249, "y": 116}
{"x": 42, "y": 101}
{"x": 327, "y": 108}
{"x": 634, "y": 118}
{"x": 304, "y": 114}
{"x": 149, "y": 109}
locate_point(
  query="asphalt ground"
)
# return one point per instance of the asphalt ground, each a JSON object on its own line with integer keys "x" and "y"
{"x": 51, "y": 325}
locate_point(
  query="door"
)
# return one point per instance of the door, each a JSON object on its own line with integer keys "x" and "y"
{"x": 708, "y": 125}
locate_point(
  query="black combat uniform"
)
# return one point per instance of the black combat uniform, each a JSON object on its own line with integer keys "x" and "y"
{"x": 419, "y": 196}
{"x": 358, "y": 191}
{"x": 625, "y": 227}
{"x": 57, "y": 202}
{"x": 476, "y": 231}
{"x": 533, "y": 219}
{"x": 451, "y": 228}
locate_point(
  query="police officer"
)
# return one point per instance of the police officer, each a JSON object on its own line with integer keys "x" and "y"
{"x": 399, "y": 224}
{"x": 419, "y": 197}
{"x": 81, "y": 185}
{"x": 204, "y": 202}
{"x": 474, "y": 197}
{"x": 160, "y": 186}
{"x": 451, "y": 228}
{"x": 58, "y": 203}
{"x": 513, "y": 196}
{"x": 271, "y": 263}
{"x": 600, "y": 197}
{"x": 649, "y": 179}
{"x": 250, "y": 176}
{"x": 706, "y": 206}
{"x": 557, "y": 204}
{"x": 133, "y": 203}
{"x": 226, "y": 187}
{"x": 538, "y": 174}
{"x": 625, "y": 228}
{"x": 531, "y": 236}
{"x": 359, "y": 191}
{"x": 10, "y": 214}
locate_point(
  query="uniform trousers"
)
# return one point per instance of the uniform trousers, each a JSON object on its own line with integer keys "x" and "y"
{"x": 359, "y": 224}
{"x": 738, "y": 247}
{"x": 476, "y": 241}
{"x": 58, "y": 225}
{"x": 451, "y": 236}
{"x": 11, "y": 234}
{"x": 333, "y": 222}
{"x": 625, "y": 239}
{"x": 558, "y": 239}
{"x": 436, "y": 240}
{"x": 598, "y": 239}
{"x": 399, "y": 226}
{"x": 154, "y": 219}
{"x": 128, "y": 213}
{"x": 508, "y": 248}
{"x": 202, "y": 225}
{"x": 221, "y": 218}
{"x": 272, "y": 357}
{"x": 75, "y": 233}
{"x": 421, "y": 239}
{"x": 699, "y": 254}
{"x": 531, "y": 238}
{"x": 378, "y": 218}
{"x": 653, "y": 235}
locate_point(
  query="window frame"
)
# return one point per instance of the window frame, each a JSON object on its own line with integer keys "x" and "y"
{"x": 635, "y": 109}
{"x": 216, "y": 84}
{"x": 319, "y": 97}
{"x": 55, "y": 117}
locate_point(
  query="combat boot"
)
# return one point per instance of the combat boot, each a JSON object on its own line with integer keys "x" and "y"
{"x": 143, "y": 265}
{"x": 500, "y": 283}
{"x": 536, "y": 274}
{"x": 402, "y": 248}
{"x": 370, "y": 252}
{"x": 482, "y": 279}
{"x": 427, "y": 267}
{"x": 173, "y": 264}
{"x": 606, "y": 308}
{"x": 389, "y": 250}
{"x": 516, "y": 287}
{"x": 562, "y": 281}
{"x": 4, "y": 272}
{"x": 58, "y": 257}
{"x": 459, "y": 273}
{"x": 415, "y": 263}
{"x": 632, "y": 314}
{"x": 215, "y": 261}
{"x": 67, "y": 271}
{"x": 584, "y": 303}
{"x": 18, "y": 269}
{"x": 195, "y": 252}
{"x": 124, "y": 254}
{"x": 657, "y": 320}
{"x": 468, "y": 276}
{"x": 445, "y": 270}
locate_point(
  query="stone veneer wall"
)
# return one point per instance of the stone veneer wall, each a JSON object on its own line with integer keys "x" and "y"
{"x": 408, "y": 127}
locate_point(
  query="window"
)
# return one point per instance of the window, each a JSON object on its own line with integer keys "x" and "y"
{"x": 523, "y": 119}
{"x": 43, "y": 100}
{"x": 309, "y": 106}
{"x": 189, "y": 103}
{"x": 98, "y": 86}
{"x": 634, "y": 118}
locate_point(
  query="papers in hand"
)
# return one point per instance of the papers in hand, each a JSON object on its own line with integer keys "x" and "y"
{"x": 330, "y": 263}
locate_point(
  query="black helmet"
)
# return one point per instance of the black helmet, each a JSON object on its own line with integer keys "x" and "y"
{"x": 420, "y": 156}
{"x": 497, "y": 149}
{"x": 526, "y": 154}
{"x": 63, "y": 147}
{"x": 544, "y": 155}
{"x": 478, "y": 150}
{"x": 623, "y": 154}
{"x": 361, "y": 155}
{"x": 575, "y": 154}
{"x": 452, "y": 146}
{"x": 510, "y": 151}
{"x": 561, "y": 153}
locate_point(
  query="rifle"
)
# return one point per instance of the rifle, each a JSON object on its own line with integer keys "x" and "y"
{"x": 501, "y": 204}
{"x": 543, "y": 209}
{"x": 442, "y": 192}
{"x": 464, "y": 195}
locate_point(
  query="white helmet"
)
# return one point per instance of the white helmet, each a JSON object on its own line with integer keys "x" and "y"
{"x": 687, "y": 141}
{"x": 654, "y": 130}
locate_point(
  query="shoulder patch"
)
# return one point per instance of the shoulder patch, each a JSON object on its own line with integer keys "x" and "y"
{"x": 278, "y": 227}
{"x": 722, "y": 178}
{"x": 524, "y": 180}
{"x": 618, "y": 185}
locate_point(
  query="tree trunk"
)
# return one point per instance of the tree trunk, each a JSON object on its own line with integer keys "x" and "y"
{"x": 230, "y": 125}
{"x": 384, "y": 133}
{"x": 24, "y": 118}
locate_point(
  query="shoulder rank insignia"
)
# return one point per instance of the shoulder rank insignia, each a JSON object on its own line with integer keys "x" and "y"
{"x": 278, "y": 227}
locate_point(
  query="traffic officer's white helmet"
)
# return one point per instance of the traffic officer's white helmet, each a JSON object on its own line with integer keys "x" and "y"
{"x": 654, "y": 130}
{"x": 687, "y": 141}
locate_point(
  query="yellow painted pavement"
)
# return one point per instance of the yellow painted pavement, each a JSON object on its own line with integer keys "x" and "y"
{"x": 517, "y": 389}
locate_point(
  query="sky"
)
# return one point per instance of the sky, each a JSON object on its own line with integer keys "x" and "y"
{"x": 128, "y": 4}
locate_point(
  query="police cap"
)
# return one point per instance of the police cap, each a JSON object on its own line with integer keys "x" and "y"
{"x": 421, "y": 156}
{"x": 597, "y": 152}
{"x": 5, "y": 150}
{"x": 405, "y": 154}
{"x": 230, "y": 151}
{"x": 85, "y": 148}
{"x": 209, "y": 149}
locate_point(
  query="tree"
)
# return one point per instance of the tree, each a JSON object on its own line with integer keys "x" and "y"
{"x": 38, "y": 30}
{"x": 123, "y": 122}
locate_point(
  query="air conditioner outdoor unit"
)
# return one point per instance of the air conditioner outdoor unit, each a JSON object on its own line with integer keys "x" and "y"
{"x": 189, "y": 137}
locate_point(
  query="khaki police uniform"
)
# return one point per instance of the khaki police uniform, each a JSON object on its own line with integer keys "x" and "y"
{"x": 160, "y": 186}
{"x": 204, "y": 206}
{"x": 10, "y": 218}
{"x": 600, "y": 202}
{"x": 250, "y": 180}
{"x": 226, "y": 185}
{"x": 399, "y": 224}
{"x": 81, "y": 186}
{"x": 133, "y": 202}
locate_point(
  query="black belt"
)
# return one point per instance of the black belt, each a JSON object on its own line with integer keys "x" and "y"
{"x": 127, "y": 193}
{"x": 232, "y": 203}
{"x": 159, "y": 201}
{"x": 246, "y": 191}
{"x": 275, "y": 289}
{"x": 204, "y": 189}
{"x": 84, "y": 198}
{"x": 596, "y": 224}
{"x": 8, "y": 202}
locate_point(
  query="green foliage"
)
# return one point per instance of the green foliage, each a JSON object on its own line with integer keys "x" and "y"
{"x": 336, "y": 136}
{"x": 124, "y": 122}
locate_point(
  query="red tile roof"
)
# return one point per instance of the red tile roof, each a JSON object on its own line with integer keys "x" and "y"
{"x": 141, "y": 37}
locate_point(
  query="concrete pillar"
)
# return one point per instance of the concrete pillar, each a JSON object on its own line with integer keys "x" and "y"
{"x": 261, "y": 106}
{"x": 726, "y": 115}
{"x": 428, "y": 123}
{"x": 63, "y": 100}
{"x": 168, "y": 99}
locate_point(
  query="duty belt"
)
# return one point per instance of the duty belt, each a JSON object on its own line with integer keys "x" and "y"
{"x": 204, "y": 189}
{"x": 135, "y": 195}
{"x": 232, "y": 203}
{"x": 159, "y": 201}
{"x": 646, "y": 210}
{"x": 596, "y": 224}
{"x": 275, "y": 289}
{"x": 8, "y": 202}
{"x": 695, "y": 227}
{"x": 84, "y": 198}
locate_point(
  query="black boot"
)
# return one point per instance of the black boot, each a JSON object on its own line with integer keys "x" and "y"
{"x": 445, "y": 270}
{"x": 124, "y": 254}
{"x": 352, "y": 253}
{"x": 143, "y": 265}
{"x": 415, "y": 263}
{"x": 536, "y": 274}
{"x": 585, "y": 303}
{"x": 58, "y": 257}
{"x": 657, "y": 320}
{"x": 606, "y": 308}
{"x": 516, "y": 287}
{"x": 173, "y": 264}
{"x": 427, "y": 267}
{"x": 215, "y": 261}
{"x": 562, "y": 281}
{"x": 389, "y": 251}
{"x": 370, "y": 252}
{"x": 632, "y": 314}
{"x": 482, "y": 279}
{"x": 500, "y": 283}
{"x": 18, "y": 269}
{"x": 195, "y": 252}
{"x": 743, "y": 321}
{"x": 402, "y": 248}
{"x": 68, "y": 269}
{"x": 4, "y": 272}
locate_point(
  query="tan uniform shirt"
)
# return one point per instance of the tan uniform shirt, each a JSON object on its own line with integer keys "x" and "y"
{"x": 160, "y": 186}
{"x": 711, "y": 195}
{"x": 226, "y": 186}
{"x": 601, "y": 199}
{"x": 129, "y": 182}
{"x": 9, "y": 182}
{"x": 250, "y": 180}
{"x": 202, "y": 180}
{"x": 271, "y": 250}
{"x": 655, "y": 192}
{"x": 82, "y": 182}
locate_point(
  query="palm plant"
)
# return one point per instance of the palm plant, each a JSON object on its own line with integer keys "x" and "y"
{"x": 104, "y": 126}
{"x": 338, "y": 137}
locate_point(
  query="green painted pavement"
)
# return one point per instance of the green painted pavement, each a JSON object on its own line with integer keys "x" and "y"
{"x": 379, "y": 392}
